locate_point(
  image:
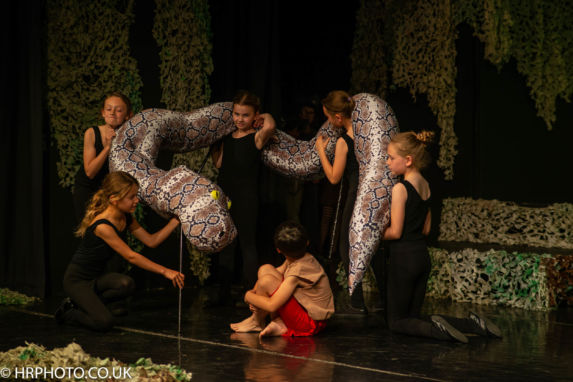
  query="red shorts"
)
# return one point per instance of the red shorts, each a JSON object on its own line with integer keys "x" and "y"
{"x": 297, "y": 320}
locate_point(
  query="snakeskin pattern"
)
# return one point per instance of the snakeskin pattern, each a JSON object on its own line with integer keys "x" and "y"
{"x": 374, "y": 125}
{"x": 199, "y": 203}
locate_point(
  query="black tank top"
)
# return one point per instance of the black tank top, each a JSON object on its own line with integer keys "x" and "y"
{"x": 415, "y": 214}
{"x": 93, "y": 252}
{"x": 82, "y": 179}
{"x": 239, "y": 172}
{"x": 351, "y": 168}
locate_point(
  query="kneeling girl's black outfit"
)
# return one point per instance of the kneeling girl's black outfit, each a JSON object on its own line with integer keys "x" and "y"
{"x": 408, "y": 272}
{"x": 89, "y": 286}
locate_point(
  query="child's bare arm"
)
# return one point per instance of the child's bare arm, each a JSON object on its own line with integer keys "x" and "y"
{"x": 107, "y": 234}
{"x": 278, "y": 299}
{"x": 397, "y": 211}
{"x": 152, "y": 240}
{"x": 266, "y": 132}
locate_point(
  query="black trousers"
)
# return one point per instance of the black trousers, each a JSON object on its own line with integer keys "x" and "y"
{"x": 91, "y": 296}
{"x": 244, "y": 212}
{"x": 408, "y": 271}
{"x": 357, "y": 298}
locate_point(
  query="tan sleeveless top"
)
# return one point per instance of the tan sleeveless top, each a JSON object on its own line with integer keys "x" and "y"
{"x": 313, "y": 291}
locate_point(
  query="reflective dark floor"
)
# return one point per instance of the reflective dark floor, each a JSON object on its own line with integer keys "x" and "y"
{"x": 537, "y": 346}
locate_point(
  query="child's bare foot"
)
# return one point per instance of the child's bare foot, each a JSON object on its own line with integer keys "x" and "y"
{"x": 249, "y": 324}
{"x": 275, "y": 328}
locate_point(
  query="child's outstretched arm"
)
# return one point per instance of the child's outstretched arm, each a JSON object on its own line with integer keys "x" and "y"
{"x": 152, "y": 240}
{"x": 267, "y": 130}
{"x": 397, "y": 213}
{"x": 278, "y": 299}
{"x": 108, "y": 234}
{"x": 335, "y": 170}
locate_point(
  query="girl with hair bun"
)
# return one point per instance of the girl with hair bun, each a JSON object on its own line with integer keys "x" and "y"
{"x": 87, "y": 283}
{"x": 409, "y": 264}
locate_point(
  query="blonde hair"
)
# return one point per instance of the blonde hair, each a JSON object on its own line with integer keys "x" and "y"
{"x": 339, "y": 102}
{"x": 118, "y": 184}
{"x": 415, "y": 145}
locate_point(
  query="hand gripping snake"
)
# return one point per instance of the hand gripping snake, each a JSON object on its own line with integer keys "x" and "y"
{"x": 201, "y": 205}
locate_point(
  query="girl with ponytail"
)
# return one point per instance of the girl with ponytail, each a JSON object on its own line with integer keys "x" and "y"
{"x": 409, "y": 264}
{"x": 338, "y": 107}
{"x": 104, "y": 226}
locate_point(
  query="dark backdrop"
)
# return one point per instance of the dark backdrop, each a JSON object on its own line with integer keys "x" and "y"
{"x": 285, "y": 52}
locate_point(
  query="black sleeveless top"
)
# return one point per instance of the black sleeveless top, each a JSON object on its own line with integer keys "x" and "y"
{"x": 240, "y": 167}
{"x": 415, "y": 214}
{"x": 93, "y": 252}
{"x": 82, "y": 179}
{"x": 351, "y": 168}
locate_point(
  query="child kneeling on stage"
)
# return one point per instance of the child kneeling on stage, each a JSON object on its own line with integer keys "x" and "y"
{"x": 296, "y": 294}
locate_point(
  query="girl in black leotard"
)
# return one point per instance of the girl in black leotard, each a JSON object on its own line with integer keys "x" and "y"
{"x": 116, "y": 109}
{"x": 409, "y": 265}
{"x": 338, "y": 107}
{"x": 237, "y": 159}
{"x": 103, "y": 229}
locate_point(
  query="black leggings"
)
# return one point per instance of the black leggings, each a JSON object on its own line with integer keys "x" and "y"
{"x": 408, "y": 271}
{"x": 357, "y": 298}
{"x": 244, "y": 212}
{"x": 90, "y": 296}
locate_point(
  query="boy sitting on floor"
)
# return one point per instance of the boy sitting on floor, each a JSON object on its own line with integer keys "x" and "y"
{"x": 297, "y": 294}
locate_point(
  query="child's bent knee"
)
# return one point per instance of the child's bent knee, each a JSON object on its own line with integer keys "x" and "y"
{"x": 266, "y": 269}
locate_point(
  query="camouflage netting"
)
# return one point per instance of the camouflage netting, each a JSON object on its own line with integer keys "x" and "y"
{"x": 413, "y": 46}
{"x": 425, "y": 62}
{"x": 492, "y": 221}
{"x": 182, "y": 30}
{"x": 520, "y": 280}
{"x": 73, "y": 356}
{"x": 88, "y": 57}
{"x": 369, "y": 69}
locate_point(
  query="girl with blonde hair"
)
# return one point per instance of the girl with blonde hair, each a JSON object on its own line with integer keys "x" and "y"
{"x": 409, "y": 264}
{"x": 103, "y": 231}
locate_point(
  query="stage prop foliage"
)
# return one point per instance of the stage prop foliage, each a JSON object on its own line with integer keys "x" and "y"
{"x": 411, "y": 44}
{"x": 73, "y": 356}
{"x": 88, "y": 57}
{"x": 532, "y": 278}
{"x": 182, "y": 30}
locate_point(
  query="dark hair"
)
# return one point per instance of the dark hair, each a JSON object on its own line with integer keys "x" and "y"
{"x": 120, "y": 95}
{"x": 246, "y": 98}
{"x": 291, "y": 239}
{"x": 338, "y": 101}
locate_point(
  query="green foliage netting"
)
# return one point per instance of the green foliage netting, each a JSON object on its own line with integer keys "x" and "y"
{"x": 183, "y": 32}
{"x": 88, "y": 56}
{"x": 418, "y": 49}
{"x": 370, "y": 71}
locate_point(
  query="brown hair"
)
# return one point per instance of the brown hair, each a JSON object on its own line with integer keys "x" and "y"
{"x": 118, "y": 184}
{"x": 246, "y": 98}
{"x": 338, "y": 101}
{"x": 414, "y": 144}
{"x": 291, "y": 239}
{"x": 122, "y": 96}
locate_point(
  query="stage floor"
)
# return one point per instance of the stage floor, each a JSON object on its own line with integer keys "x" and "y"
{"x": 537, "y": 346}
